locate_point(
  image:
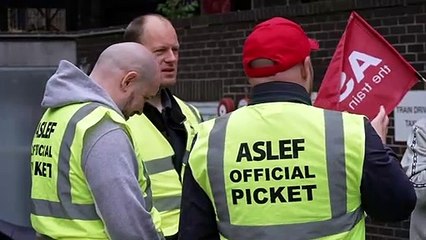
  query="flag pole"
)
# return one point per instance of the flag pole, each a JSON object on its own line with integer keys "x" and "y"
{"x": 421, "y": 77}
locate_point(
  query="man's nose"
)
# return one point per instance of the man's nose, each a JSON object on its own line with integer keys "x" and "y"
{"x": 170, "y": 56}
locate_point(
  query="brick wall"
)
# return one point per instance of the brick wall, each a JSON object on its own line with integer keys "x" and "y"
{"x": 91, "y": 45}
{"x": 211, "y": 45}
{"x": 210, "y": 61}
{"x": 387, "y": 231}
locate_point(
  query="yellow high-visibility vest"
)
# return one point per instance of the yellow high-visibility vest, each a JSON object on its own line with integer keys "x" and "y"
{"x": 156, "y": 153}
{"x": 283, "y": 171}
{"x": 63, "y": 206}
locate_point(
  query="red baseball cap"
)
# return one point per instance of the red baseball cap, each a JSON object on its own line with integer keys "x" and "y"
{"x": 280, "y": 40}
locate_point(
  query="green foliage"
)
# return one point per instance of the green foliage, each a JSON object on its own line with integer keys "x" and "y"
{"x": 177, "y": 9}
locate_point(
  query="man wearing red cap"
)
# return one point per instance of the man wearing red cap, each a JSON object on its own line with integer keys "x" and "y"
{"x": 283, "y": 169}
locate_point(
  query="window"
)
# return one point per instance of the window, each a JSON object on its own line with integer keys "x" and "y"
{"x": 36, "y": 19}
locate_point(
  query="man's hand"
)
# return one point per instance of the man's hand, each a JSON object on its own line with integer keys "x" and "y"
{"x": 380, "y": 124}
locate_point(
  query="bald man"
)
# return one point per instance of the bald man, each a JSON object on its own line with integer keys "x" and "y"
{"x": 169, "y": 122}
{"x": 86, "y": 181}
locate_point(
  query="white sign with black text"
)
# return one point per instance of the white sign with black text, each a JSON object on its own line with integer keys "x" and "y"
{"x": 411, "y": 108}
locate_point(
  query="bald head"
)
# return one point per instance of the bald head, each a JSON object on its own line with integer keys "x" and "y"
{"x": 125, "y": 57}
{"x": 136, "y": 29}
{"x": 129, "y": 73}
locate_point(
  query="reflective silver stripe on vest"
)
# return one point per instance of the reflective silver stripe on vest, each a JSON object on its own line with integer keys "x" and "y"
{"x": 148, "y": 191}
{"x": 167, "y": 203}
{"x": 65, "y": 208}
{"x": 215, "y": 161}
{"x": 335, "y": 155}
{"x": 159, "y": 165}
{"x": 300, "y": 231}
{"x": 340, "y": 222}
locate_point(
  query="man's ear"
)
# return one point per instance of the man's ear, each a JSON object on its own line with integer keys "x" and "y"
{"x": 127, "y": 80}
{"x": 307, "y": 71}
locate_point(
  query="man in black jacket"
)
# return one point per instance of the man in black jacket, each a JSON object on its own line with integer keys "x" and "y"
{"x": 363, "y": 175}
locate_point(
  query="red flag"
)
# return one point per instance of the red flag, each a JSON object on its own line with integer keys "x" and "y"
{"x": 364, "y": 73}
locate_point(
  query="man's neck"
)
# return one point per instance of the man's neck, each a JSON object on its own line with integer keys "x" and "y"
{"x": 156, "y": 102}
